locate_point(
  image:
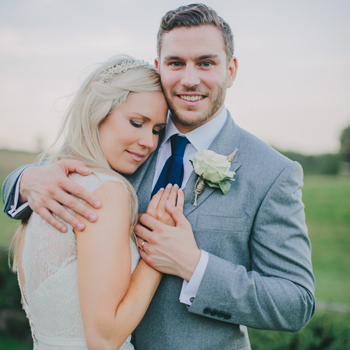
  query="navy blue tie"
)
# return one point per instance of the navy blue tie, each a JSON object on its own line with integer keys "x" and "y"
{"x": 173, "y": 170}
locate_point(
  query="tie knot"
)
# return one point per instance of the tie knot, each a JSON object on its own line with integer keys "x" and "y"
{"x": 178, "y": 145}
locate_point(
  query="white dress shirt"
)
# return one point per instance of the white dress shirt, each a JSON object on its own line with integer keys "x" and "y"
{"x": 14, "y": 208}
{"x": 199, "y": 140}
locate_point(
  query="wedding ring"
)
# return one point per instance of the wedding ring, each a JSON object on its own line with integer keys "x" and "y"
{"x": 142, "y": 244}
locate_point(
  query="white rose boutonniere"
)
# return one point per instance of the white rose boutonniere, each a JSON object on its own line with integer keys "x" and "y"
{"x": 214, "y": 170}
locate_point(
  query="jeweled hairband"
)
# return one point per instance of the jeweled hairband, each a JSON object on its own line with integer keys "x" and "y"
{"x": 122, "y": 68}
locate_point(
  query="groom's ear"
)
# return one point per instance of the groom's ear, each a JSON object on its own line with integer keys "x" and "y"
{"x": 156, "y": 64}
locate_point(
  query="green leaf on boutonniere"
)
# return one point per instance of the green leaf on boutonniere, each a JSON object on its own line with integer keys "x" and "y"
{"x": 212, "y": 184}
{"x": 225, "y": 186}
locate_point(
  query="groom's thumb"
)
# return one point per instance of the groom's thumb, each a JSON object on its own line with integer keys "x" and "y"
{"x": 175, "y": 213}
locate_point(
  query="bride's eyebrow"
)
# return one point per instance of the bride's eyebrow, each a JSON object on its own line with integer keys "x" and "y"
{"x": 136, "y": 114}
{"x": 144, "y": 117}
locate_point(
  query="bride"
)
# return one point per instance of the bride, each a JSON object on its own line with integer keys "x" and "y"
{"x": 77, "y": 288}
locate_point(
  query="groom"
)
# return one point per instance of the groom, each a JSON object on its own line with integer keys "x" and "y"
{"x": 237, "y": 259}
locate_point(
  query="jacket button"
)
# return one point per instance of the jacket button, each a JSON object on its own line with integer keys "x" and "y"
{"x": 191, "y": 299}
{"x": 221, "y": 314}
{"x": 207, "y": 310}
{"x": 227, "y": 316}
{"x": 214, "y": 312}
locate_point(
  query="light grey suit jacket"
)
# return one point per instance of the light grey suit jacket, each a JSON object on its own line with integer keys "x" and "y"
{"x": 259, "y": 272}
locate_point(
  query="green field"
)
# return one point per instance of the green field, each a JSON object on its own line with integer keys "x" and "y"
{"x": 327, "y": 208}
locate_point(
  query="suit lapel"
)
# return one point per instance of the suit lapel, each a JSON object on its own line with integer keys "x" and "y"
{"x": 225, "y": 143}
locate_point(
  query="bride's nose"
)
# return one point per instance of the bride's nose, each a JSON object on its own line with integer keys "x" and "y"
{"x": 148, "y": 140}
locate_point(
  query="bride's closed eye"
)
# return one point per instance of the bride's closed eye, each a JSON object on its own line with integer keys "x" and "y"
{"x": 157, "y": 131}
{"x": 136, "y": 125}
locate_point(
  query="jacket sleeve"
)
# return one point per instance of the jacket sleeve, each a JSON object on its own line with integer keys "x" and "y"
{"x": 8, "y": 194}
{"x": 277, "y": 293}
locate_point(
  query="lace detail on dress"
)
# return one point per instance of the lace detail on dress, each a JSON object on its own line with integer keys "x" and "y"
{"x": 50, "y": 293}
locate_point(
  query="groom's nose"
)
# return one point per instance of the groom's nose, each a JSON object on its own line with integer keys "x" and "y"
{"x": 190, "y": 76}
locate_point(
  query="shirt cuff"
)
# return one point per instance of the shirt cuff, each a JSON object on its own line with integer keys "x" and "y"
{"x": 190, "y": 288}
{"x": 14, "y": 210}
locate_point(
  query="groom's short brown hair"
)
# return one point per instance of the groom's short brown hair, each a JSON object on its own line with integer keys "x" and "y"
{"x": 195, "y": 15}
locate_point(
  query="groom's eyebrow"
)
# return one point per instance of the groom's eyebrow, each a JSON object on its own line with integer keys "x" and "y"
{"x": 171, "y": 58}
{"x": 199, "y": 58}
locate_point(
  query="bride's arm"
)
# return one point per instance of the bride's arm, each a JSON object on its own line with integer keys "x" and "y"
{"x": 112, "y": 301}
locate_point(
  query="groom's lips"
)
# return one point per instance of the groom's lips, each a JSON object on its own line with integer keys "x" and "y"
{"x": 137, "y": 157}
{"x": 192, "y": 99}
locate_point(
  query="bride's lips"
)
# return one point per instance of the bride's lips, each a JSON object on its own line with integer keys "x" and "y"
{"x": 137, "y": 157}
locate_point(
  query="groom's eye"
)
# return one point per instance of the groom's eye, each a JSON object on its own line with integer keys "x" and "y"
{"x": 136, "y": 125}
{"x": 176, "y": 64}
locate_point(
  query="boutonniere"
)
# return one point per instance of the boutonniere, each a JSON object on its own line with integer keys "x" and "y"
{"x": 213, "y": 170}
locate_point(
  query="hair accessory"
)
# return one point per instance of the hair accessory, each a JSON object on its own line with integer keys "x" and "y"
{"x": 122, "y": 68}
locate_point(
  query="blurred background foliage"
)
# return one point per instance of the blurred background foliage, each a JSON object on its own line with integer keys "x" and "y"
{"x": 326, "y": 195}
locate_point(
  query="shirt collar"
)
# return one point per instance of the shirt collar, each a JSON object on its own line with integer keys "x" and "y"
{"x": 201, "y": 137}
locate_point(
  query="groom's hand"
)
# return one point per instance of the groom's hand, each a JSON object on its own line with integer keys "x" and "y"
{"x": 168, "y": 249}
{"x": 47, "y": 190}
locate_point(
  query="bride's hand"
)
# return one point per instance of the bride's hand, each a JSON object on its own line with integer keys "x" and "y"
{"x": 156, "y": 207}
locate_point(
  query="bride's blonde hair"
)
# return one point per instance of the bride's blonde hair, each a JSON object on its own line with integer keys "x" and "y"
{"x": 78, "y": 137}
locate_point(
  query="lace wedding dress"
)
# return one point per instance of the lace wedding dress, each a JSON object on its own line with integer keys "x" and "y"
{"x": 48, "y": 278}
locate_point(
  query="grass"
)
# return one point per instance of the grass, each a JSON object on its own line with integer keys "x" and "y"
{"x": 326, "y": 331}
{"x": 327, "y": 208}
{"x": 10, "y": 343}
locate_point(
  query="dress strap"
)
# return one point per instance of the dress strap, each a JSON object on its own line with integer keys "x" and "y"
{"x": 60, "y": 341}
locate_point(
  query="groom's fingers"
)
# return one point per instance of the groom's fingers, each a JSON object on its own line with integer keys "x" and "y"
{"x": 56, "y": 208}
{"x": 80, "y": 192}
{"x": 74, "y": 166}
{"x": 49, "y": 218}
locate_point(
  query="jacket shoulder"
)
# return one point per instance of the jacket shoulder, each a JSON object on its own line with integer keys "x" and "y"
{"x": 256, "y": 152}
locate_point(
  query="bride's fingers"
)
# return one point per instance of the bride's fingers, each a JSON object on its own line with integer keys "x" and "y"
{"x": 173, "y": 194}
{"x": 153, "y": 204}
{"x": 165, "y": 196}
{"x": 180, "y": 200}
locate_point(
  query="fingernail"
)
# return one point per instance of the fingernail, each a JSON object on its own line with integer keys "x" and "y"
{"x": 161, "y": 189}
{"x": 63, "y": 229}
{"x": 92, "y": 217}
{"x": 79, "y": 226}
{"x": 168, "y": 185}
{"x": 97, "y": 204}
{"x": 180, "y": 189}
{"x": 176, "y": 186}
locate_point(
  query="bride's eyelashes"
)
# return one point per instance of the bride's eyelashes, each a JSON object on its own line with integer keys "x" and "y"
{"x": 139, "y": 125}
{"x": 136, "y": 125}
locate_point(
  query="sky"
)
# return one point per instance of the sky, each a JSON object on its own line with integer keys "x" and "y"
{"x": 292, "y": 88}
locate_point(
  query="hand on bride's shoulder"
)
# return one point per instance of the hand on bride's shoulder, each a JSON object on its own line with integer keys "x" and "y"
{"x": 156, "y": 207}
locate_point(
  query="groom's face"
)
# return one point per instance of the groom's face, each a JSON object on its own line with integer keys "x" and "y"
{"x": 195, "y": 74}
